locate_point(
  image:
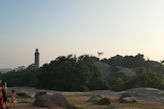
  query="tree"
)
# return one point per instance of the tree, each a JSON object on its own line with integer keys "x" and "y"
{"x": 146, "y": 78}
{"x": 71, "y": 74}
{"x": 116, "y": 60}
{"x": 117, "y": 80}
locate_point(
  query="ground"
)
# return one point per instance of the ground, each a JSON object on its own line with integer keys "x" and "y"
{"x": 79, "y": 99}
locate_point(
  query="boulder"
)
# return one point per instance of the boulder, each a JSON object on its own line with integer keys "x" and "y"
{"x": 53, "y": 101}
{"x": 123, "y": 95}
{"x": 104, "y": 101}
{"x": 128, "y": 100}
{"x": 40, "y": 93}
{"x": 95, "y": 98}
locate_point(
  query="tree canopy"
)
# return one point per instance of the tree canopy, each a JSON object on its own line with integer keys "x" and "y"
{"x": 71, "y": 73}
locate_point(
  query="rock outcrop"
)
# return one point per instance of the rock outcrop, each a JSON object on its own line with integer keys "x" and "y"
{"x": 127, "y": 100}
{"x": 104, "y": 101}
{"x": 53, "y": 101}
{"x": 40, "y": 93}
{"x": 95, "y": 98}
{"x": 148, "y": 94}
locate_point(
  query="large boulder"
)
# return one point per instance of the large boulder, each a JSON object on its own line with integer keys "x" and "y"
{"x": 95, "y": 98}
{"x": 40, "y": 93}
{"x": 104, "y": 101}
{"x": 123, "y": 95}
{"x": 147, "y": 94}
{"x": 53, "y": 101}
{"x": 128, "y": 100}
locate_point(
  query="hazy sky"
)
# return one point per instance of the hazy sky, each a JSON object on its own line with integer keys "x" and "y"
{"x": 62, "y": 27}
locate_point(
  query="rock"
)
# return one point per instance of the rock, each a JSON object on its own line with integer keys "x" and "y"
{"x": 95, "y": 98}
{"x": 147, "y": 94}
{"x": 123, "y": 95}
{"x": 104, "y": 101}
{"x": 128, "y": 100}
{"x": 53, "y": 101}
{"x": 40, "y": 93}
{"x": 23, "y": 95}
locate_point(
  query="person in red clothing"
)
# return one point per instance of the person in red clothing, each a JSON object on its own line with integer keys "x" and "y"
{"x": 5, "y": 96}
{"x": 1, "y": 96}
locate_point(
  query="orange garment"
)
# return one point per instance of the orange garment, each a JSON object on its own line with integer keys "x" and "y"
{"x": 5, "y": 91}
{"x": 1, "y": 94}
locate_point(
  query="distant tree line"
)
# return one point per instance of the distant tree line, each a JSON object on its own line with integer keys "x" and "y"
{"x": 71, "y": 73}
{"x": 65, "y": 73}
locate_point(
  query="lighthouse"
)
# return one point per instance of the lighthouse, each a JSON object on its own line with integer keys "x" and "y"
{"x": 36, "y": 58}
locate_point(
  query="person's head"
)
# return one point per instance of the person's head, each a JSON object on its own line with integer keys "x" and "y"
{"x": 13, "y": 91}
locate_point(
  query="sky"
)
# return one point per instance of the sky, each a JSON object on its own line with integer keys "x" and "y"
{"x": 62, "y": 27}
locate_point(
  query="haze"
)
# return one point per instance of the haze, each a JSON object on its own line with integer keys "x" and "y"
{"x": 62, "y": 27}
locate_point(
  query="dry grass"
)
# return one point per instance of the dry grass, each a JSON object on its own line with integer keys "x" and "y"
{"x": 81, "y": 102}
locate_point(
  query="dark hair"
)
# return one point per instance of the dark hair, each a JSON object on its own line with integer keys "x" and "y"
{"x": 13, "y": 91}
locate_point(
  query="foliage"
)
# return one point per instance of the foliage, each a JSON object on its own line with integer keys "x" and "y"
{"x": 118, "y": 80}
{"x": 26, "y": 77}
{"x": 127, "y": 61}
{"x": 146, "y": 78}
{"x": 69, "y": 73}
{"x": 65, "y": 73}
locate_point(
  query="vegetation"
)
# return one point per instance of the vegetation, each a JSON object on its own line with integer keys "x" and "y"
{"x": 65, "y": 73}
{"x": 69, "y": 73}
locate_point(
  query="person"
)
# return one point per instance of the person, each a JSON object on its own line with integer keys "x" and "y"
{"x": 4, "y": 91}
{"x": 1, "y": 96}
{"x": 13, "y": 99}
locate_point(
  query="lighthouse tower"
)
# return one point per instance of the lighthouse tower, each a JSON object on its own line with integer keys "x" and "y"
{"x": 36, "y": 58}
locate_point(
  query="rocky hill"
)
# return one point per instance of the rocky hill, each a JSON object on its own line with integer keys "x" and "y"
{"x": 106, "y": 69}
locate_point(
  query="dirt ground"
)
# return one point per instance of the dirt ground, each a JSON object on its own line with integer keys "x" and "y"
{"x": 80, "y": 99}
